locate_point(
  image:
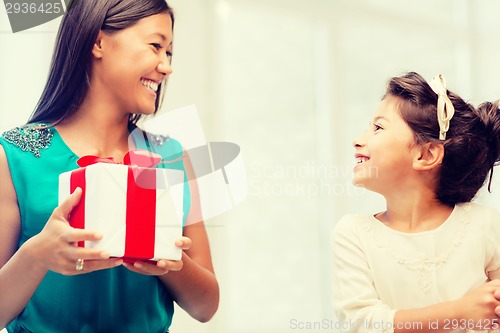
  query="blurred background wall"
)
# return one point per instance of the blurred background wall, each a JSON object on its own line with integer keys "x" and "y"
{"x": 292, "y": 82}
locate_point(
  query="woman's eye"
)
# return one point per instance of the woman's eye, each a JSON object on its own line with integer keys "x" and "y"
{"x": 157, "y": 46}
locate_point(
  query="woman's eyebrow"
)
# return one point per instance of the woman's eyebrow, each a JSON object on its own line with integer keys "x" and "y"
{"x": 162, "y": 36}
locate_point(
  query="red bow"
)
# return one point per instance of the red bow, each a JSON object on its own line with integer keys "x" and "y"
{"x": 141, "y": 158}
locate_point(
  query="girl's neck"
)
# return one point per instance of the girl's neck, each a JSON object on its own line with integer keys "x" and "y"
{"x": 415, "y": 212}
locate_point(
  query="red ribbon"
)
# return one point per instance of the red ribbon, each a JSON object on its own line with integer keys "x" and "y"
{"x": 142, "y": 158}
{"x": 141, "y": 200}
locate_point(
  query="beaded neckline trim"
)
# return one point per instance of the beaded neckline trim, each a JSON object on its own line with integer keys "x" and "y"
{"x": 424, "y": 265}
{"x": 30, "y": 138}
{"x": 35, "y": 137}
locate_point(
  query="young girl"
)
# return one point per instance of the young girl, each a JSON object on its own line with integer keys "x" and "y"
{"x": 111, "y": 59}
{"x": 428, "y": 263}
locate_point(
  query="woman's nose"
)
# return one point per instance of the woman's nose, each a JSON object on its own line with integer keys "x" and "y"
{"x": 165, "y": 66}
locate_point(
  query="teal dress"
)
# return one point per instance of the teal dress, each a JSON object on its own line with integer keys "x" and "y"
{"x": 112, "y": 300}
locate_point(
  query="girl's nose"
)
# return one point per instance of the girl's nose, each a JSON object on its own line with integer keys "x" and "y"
{"x": 358, "y": 142}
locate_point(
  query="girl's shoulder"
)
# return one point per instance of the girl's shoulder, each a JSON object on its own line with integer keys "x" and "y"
{"x": 353, "y": 223}
{"x": 480, "y": 214}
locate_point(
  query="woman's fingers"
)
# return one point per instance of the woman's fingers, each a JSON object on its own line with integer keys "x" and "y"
{"x": 161, "y": 267}
{"x": 71, "y": 256}
{"x": 183, "y": 243}
{"x": 171, "y": 265}
{"x": 77, "y": 235}
{"x": 95, "y": 265}
{"x": 76, "y": 267}
{"x": 74, "y": 253}
{"x": 64, "y": 209}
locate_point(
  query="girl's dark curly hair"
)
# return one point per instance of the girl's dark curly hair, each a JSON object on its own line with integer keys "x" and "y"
{"x": 471, "y": 148}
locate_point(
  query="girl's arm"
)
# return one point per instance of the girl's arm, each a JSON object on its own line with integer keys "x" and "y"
{"x": 359, "y": 308}
{"x": 474, "y": 311}
{"x": 355, "y": 301}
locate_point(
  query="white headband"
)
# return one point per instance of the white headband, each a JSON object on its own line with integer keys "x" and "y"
{"x": 445, "y": 109}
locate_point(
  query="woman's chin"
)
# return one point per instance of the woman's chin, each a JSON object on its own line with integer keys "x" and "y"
{"x": 145, "y": 111}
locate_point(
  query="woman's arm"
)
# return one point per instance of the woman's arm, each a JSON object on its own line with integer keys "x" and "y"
{"x": 54, "y": 249}
{"x": 191, "y": 281}
{"x": 195, "y": 287}
{"x": 19, "y": 274}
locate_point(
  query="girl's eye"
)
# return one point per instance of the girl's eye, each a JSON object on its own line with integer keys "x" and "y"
{"x": 169, "y": 56}
{"x": 376, "y": 127}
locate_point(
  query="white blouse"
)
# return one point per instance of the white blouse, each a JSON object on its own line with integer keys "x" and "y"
{"x": 378, "y": 270}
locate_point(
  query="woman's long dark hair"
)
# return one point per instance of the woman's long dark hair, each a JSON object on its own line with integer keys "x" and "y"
{"x": 70, "y": 70}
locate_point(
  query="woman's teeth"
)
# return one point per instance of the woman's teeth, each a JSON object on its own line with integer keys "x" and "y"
{"x": 151, "y": 85}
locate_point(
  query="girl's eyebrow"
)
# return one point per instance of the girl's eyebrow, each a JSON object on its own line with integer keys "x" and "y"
{"x": 380, "y": 117}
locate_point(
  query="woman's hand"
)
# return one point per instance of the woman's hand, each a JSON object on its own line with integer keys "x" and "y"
{"x": 56, "y": 249}
{"x": 162, "y": 266}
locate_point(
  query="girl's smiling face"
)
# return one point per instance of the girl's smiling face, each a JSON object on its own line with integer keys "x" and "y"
{"x": 385, "y": 152}
{"x": 130, "y": 64}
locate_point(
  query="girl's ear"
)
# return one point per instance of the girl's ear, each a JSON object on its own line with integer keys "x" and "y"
{"x": 97, "y": 50}
{"x": 429, "y": 156}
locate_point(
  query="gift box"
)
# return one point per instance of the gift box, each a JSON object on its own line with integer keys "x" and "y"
{"x": 137, "y": 208}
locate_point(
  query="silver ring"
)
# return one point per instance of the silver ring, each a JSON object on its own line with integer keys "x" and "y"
{"x": 79, "y": 264}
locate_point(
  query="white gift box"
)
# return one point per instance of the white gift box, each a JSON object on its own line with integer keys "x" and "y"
{"x": 135, "y": 209}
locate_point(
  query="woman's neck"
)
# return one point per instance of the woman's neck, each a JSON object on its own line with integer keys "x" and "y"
{"x": 96, "y": 130}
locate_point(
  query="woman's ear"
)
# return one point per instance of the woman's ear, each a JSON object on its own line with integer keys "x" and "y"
{"x": 429, "y": 156}
{"x": 97, "y": 50}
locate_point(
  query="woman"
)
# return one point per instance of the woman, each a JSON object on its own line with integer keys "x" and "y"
{"x": 111, "y": 59}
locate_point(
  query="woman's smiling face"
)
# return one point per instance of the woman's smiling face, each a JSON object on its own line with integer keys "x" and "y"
{"x": 130, "y": 64}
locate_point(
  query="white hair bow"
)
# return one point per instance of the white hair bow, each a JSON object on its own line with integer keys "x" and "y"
{"x": 445, "y": 109}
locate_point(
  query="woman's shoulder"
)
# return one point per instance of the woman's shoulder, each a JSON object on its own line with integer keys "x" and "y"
{"x": 168, "y": 147}
{"x": 31, "y": 138}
